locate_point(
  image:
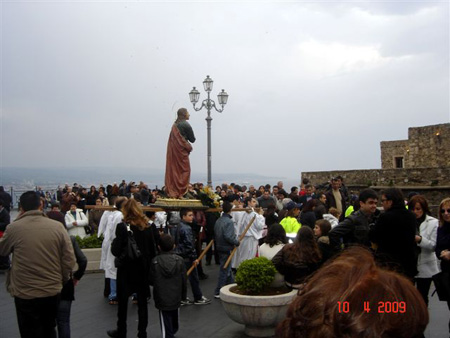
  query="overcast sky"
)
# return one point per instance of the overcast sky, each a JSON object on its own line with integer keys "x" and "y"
{"x": 312, "y": 86}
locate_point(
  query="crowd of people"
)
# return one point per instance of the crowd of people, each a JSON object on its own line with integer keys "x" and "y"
{"x": 306, "y": 232}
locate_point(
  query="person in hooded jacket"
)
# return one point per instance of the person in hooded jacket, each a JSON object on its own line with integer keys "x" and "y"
{"x": 168, "y": 276}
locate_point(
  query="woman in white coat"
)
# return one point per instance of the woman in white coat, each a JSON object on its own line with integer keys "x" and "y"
{"x": 426, "y": 234}
{"x": 76, "y": 220}
{"x": 107, "y": 227}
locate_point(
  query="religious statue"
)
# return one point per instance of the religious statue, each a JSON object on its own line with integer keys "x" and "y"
{"x": 178, "y": 168}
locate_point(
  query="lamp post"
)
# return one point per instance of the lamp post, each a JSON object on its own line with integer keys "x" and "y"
{"x": 222, "y": 98}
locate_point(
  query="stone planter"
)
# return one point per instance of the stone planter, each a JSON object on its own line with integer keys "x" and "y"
{"x": 259, "y": 314}
{"x": 93, "y": 256}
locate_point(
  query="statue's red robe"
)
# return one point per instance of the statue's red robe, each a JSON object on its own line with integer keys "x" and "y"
{"x": 178, "y": 167}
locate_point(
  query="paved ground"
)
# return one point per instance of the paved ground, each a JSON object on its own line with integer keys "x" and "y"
{"x": 92, "y": 315}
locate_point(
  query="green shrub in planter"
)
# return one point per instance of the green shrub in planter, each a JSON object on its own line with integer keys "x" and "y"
{"x": 89, "y": 242}
{"x": 253, "y": 275}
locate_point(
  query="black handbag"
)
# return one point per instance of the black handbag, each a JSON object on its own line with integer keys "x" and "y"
{"x": 133, "y": 251}
{"x": 130, "y": 252}
{"x": 441, "y": 281}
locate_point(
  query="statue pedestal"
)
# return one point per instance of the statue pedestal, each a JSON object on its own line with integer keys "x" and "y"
{"x": 177, "y": 204}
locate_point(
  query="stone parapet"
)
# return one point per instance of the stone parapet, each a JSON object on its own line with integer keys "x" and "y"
{"x": 434, "y": 183}
{"x": 428, "y": 177}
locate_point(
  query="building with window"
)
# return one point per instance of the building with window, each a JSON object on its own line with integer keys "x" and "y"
{"x": 426, "y": 147}
{"x": 420, "y": 164}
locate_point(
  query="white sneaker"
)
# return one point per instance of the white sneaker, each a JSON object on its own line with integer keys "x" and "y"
{"x": 202, "y": 301}
{"x": 186, "y": 301}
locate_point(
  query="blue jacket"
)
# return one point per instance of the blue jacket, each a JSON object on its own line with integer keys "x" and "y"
{"x": 185, "y": 242}
{"x": 224, "y": 235}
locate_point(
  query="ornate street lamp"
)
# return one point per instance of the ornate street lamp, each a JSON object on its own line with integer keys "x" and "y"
{"x": 222, "y": 98}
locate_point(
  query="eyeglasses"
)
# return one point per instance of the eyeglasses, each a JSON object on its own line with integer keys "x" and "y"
{"x": 444, "y": 210}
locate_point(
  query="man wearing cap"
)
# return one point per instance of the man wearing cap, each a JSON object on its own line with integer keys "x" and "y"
{"x": 281, "y": 195}
{"x": 42, "y": 262}
{"x": 290, "y": 222}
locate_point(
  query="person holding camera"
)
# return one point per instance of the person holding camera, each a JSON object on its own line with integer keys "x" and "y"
{"x": 68, "y": 198}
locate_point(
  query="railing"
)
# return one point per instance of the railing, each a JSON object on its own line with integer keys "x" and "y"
{"x": 16, "y": 193}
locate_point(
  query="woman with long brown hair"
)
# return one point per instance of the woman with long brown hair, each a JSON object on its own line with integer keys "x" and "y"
{"x": 133, "y": 274}
{"x": 298, "y": 260}
{"x": 353, "y": 297}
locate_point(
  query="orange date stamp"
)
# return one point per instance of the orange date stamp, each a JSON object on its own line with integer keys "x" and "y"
{"x": 382, "y": 307}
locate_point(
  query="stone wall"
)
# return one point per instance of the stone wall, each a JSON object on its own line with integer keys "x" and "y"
{"x": 434, "y": 183}
{"x": 386, "y": 177}
{"x": 426, "y": 147}
{"x": 392, "y": 149}
{"x": 429, "y": 146}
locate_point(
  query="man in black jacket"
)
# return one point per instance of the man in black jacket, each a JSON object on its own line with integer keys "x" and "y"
{"x": 185, "y": 247}
{"x": 309, "y": 194}
{"x": 355, "y": 228}
{"x": 226, "y": 240}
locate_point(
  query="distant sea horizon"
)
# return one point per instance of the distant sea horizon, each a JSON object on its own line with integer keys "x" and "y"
{"x": 21, "y": 178}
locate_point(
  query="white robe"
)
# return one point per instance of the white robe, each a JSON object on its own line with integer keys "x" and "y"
{"x": 249, "y": 244}
{"x": 101, "y": 230}
{"x": 107, "y": 261}
{"x": 103, "y": 223}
